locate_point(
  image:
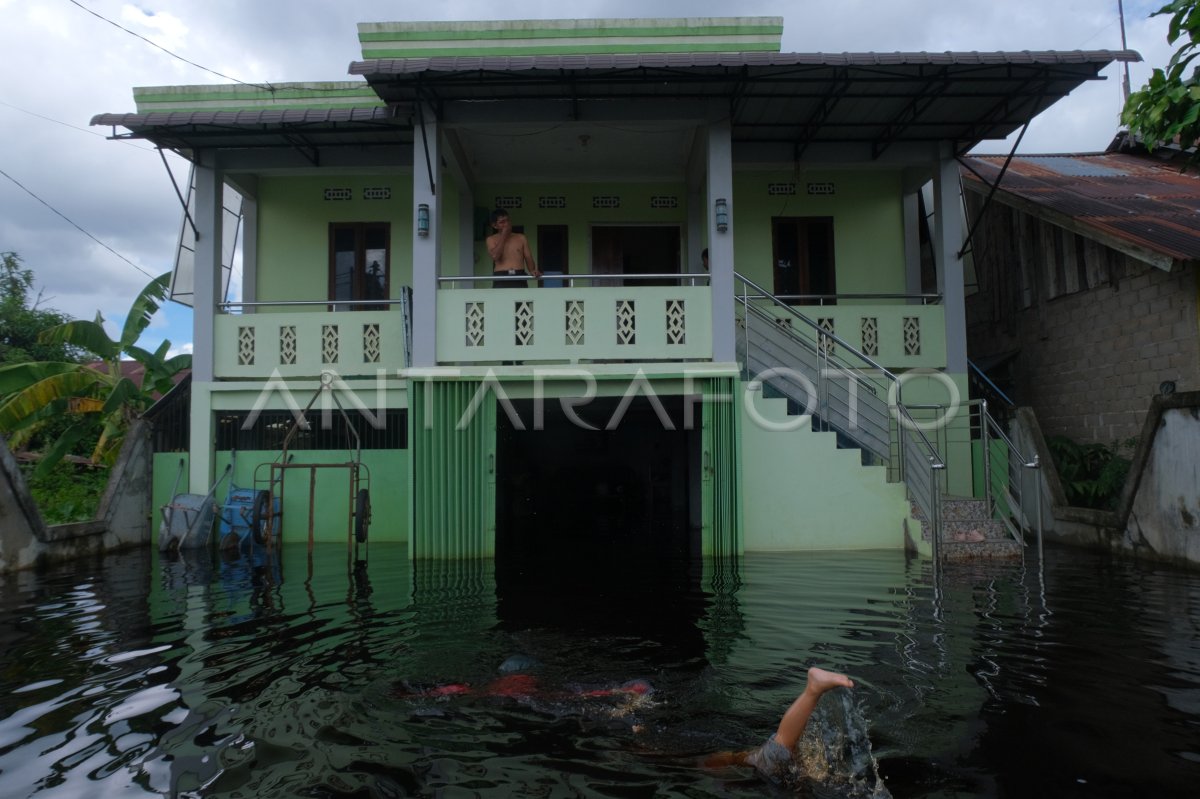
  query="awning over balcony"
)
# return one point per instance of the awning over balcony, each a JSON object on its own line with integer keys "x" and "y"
{"x": 796, "y": 99}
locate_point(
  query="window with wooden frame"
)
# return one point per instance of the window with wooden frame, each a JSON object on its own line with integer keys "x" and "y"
{"x": 359, "y": 264}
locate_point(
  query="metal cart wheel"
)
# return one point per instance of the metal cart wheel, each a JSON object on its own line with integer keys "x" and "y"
{"x": 362, "y": 515}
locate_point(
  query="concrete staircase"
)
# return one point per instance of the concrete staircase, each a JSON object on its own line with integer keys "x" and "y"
{"x": 968, "y": 533}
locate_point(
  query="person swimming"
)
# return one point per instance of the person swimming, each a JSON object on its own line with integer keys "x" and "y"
{"x": 782, "y": 761}
{"x": 776, "y": 752}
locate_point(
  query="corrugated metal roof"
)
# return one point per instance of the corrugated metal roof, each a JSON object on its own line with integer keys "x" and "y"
{"x": 404, "y": 66}
{"x": 1137, "y": 198}
{"x": 266, "y": 116}
{"x": 263, "y": 127}
{"x": 791, "y": 99}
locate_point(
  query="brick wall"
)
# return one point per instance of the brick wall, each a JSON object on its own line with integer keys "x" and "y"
{"x": 1093, "y": 350}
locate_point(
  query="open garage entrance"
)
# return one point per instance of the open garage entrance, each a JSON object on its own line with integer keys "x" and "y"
{"x": 569, "y": 494}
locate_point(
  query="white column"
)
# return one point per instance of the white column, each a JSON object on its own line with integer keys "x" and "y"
{"x": 426, "y": 253}
{"x": 207, "y": 291}
{"x": 720, "y": 245}
{"x": 948, "y": 240}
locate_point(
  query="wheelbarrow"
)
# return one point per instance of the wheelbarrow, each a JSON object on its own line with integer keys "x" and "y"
{"x": 244, "y": 515}
{"x": 187, "y": 519}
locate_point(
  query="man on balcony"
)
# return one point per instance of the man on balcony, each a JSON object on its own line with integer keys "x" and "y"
{"x": 509, "y": 251}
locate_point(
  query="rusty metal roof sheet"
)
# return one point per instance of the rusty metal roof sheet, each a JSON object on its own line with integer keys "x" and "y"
{"x": 1141, "y": 199}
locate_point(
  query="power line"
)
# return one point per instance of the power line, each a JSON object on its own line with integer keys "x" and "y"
{"x": 73, "y": 127}
{"x": 168, "y": 52}
{"x": 77, "y": 227}
{"x": 266, "y": 87}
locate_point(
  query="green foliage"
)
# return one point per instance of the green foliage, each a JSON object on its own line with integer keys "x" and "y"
{"x": 103, "y": 400}
{"x": 68, "y": 492}
{"x": 1168, "y": 106}
{"x": 1092, "y": 475}
{"x": 20, "y": 322}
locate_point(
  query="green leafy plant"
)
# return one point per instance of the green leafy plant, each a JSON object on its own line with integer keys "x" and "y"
{"x": 68, "y": 492}
{"x": 37, "y": 392}
{"x": 1168, "y": 106}
{"x": 1092, "y": 475}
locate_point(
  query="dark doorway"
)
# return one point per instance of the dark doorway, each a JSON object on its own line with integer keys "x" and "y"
{"x": 552, "y": 248}
{"x": 636, "y": 250}
{"x": 802, "y": 253}
{"x": 565, "y": 493}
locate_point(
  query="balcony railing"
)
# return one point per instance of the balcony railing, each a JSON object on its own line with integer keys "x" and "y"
{"x": 899, "y": 331}
{"x": 302, "y": 339}
{"x": 573, "y": 318}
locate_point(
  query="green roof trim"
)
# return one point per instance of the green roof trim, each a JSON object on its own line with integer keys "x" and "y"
{"x": 422, "y": 52}
{"x": 239, "y": 97}
{"x": 454, "y": 35}
{"x": 570, "y": 36}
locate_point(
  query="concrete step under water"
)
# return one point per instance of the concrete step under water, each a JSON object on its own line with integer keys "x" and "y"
{"x": 968, "y": 533}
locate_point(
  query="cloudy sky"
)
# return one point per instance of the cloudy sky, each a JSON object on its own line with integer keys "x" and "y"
{"x": 62, "y": 64}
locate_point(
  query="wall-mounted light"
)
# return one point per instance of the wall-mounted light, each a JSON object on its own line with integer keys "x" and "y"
{"x": 722, "y": 215}
{"x": 422, "y": 220}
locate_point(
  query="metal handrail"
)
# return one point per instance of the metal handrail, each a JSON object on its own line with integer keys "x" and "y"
{"x": 990, "y": 427}
{"x": 914, "y": 427}
{"x": 926, "y": 299}
{"x": 905, "y": 424}
{"x": 814, "y": 348}
{"x": 571, "y": 278}
{"x": 296, "y": 303}
{"x": 936, "y": 464}
{"x": 819, "y": 330}
{"x": 990, "y": 384}
{"x": 979, "y": 402}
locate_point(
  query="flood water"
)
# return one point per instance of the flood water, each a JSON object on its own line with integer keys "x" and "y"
{"x": 320, "y": 677}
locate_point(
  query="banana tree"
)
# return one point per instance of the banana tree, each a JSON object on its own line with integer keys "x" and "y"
{"x": 92, "y": 398}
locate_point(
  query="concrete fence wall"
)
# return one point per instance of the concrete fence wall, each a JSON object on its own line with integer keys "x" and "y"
{"x": 1158, "y": 514}
{"x": 122, "y": 520}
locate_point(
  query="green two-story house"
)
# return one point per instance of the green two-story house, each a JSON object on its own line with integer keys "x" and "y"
{"x": 638, "y": 398}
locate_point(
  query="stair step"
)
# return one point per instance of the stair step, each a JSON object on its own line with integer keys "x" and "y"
{"x": 969, "y": 530}
{"x": 991, "y": 549}
{"x": 964, "y": 509}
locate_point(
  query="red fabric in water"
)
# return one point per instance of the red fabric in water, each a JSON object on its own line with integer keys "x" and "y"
{"x": 516, "y": 685}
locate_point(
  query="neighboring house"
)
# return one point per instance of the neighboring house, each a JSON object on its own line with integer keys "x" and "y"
{"x": 136, "y": 371}
{"x": 1085, "y": 303}
{"x": 622, "y": 148}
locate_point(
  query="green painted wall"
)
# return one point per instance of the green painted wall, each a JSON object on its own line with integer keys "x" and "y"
{"x": 868, "y": 225}
{"x": 293, "y": 230}
{"x": 579, "y": 215}
{"x": 165, "y": 470}
{"x": 803, "y": 493}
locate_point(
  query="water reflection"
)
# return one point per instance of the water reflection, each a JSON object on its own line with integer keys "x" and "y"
{"x": 293, "y": 674}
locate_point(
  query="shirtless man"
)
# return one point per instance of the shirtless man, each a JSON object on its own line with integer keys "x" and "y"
{"x": 509, "y": 251}
{"x": 775, "y": 755}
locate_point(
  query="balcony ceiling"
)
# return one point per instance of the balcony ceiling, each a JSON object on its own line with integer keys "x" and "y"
{"x": 534, "y": 117}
